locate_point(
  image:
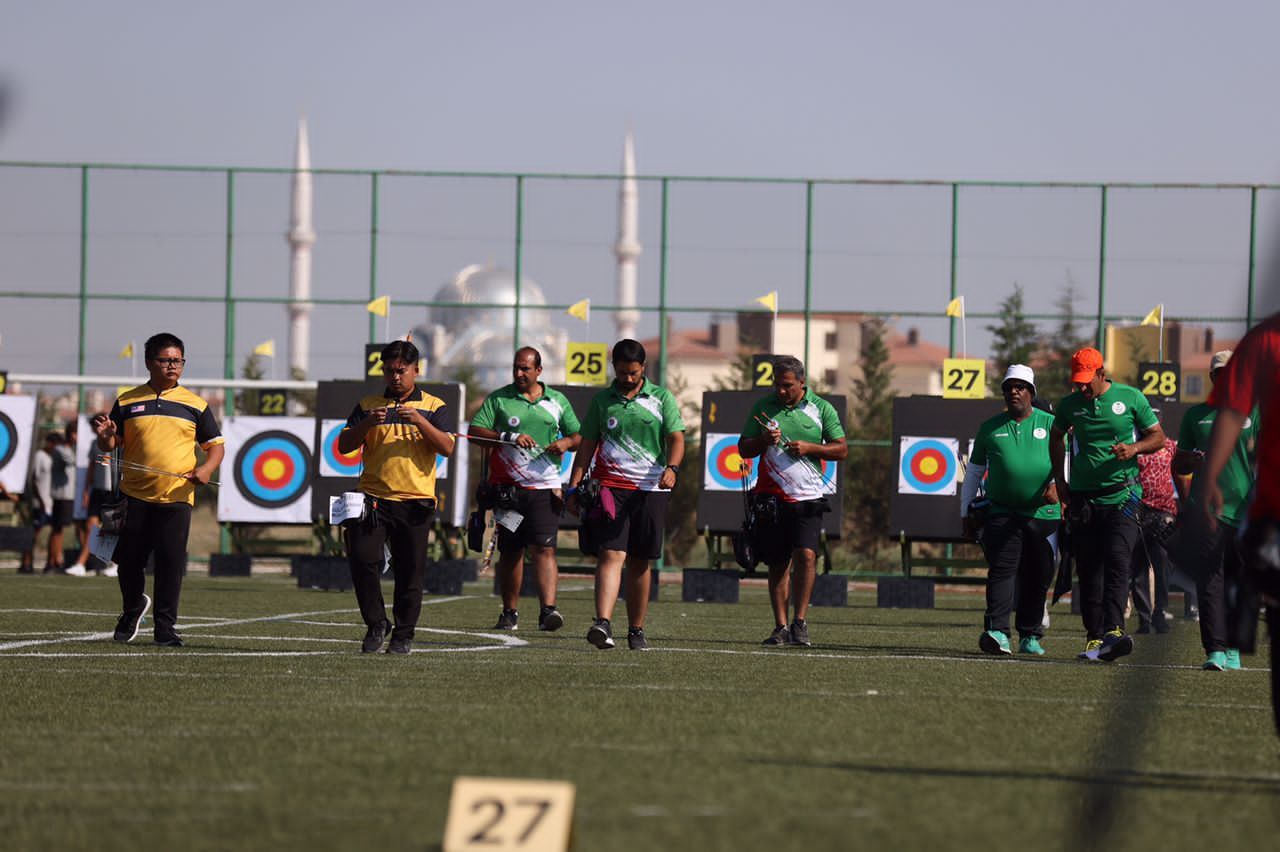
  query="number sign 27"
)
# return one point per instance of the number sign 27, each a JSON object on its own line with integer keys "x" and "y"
{"x": 508, "y": 814}
{"x": 964, "y": 378}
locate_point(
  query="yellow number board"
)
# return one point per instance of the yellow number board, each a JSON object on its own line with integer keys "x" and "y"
{"x": 964, "y": 378}
{"x": 502, "y": 813}
{"x": 1160, "y": 380}
{"x": 587, "y": 364}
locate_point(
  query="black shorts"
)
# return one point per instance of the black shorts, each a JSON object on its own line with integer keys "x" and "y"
{"x": 63, "y": 514}
{"x": 799, "y": 527}
{"x": 96, "y": 496}
{"x": 639, "y": 526}
{"x": 542, "y": 512}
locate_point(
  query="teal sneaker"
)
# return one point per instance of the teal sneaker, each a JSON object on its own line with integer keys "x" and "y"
{"x": 1233, "y": 659}
{"x": 1030, "y": 645}
{"x": 994, "y": 642}
{"x": 1216, "y": 662}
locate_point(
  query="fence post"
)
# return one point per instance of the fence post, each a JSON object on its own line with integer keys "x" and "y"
{"x": 84, "y": 279}
{"x": 955, "y": 249}
{"x": 515, "y": 332}
{"x": 808, "y": 269}
{"x": 1253, "y": 248}
{"x": 373, "y": 253}
{"x": 229, "y": 324}
{"x": 1102, "y": 273}
{"x": 662, "y": 286}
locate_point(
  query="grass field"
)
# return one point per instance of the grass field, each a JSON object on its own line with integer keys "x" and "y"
{"x": 270, "y": 730}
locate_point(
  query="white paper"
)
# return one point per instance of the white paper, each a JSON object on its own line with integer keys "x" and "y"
{"x": 102, "y": 545}
{"x": 508, "y": 519}
{"x": 348, "y": 506}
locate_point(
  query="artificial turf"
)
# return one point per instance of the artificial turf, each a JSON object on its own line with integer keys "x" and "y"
{"x": 892, "y": 732}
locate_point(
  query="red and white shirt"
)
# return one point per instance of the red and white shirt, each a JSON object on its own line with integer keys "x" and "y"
{"x": 1156, "y": 476}
{"x": 1250, "y": 378}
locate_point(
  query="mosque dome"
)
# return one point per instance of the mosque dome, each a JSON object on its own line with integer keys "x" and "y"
{"x": 488, "y": 285}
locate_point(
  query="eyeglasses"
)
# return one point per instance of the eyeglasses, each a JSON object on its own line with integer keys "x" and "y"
{"x": 170, "y": 362}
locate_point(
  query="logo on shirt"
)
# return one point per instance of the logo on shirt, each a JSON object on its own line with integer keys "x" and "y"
{"x": 1117, "y": 407}
{"x": 513, "y": 421}
{"x": 612, "y": 423}
{"x": 1040, "y": 433}
{"x": 1248, "y": 421}
{"x": 138, "y": 409}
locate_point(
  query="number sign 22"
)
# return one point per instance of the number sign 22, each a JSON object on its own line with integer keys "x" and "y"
{"x": 509, "y": 814}
{"x": 762, "y": 371}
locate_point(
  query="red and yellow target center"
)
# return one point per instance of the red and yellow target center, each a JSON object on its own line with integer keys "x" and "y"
{"x": 928, "y": 465}
{"x": 273, "y": 469}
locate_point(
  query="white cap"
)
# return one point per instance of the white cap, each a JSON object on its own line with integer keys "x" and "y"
{"x": 1022, "y": 373}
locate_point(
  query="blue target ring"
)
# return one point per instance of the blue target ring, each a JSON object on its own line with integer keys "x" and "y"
{"x": 929, "y": 466}
{"x": 272, "y": 469}
{"x": 8, "y": 439}
{"x": 344, "y": 465}
{"x": 723, "y": 464}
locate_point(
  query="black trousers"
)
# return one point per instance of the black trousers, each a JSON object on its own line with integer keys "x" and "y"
{"x": 1104, "y": 550}
{"x": 1216, "y": 561}
{"x": 1149, "y": 556}
{"x": 1021, "y": 558}
{"x": 402, "y": 527}
{"x": 158, "y": 529}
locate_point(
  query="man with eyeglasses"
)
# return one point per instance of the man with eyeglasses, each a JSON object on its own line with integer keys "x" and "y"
{"x": 401, "y": 431}
{"x": 1110, "y": 425}
{"x": 1020, "y": 534}
{"x": 157, "y": 427}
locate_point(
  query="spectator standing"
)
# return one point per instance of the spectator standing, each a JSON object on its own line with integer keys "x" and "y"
{"x": 1151, "y": 557}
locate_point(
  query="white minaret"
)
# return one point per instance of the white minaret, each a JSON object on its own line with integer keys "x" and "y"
{"x": 627, "y": 249}
{"x": 301, "y": 237}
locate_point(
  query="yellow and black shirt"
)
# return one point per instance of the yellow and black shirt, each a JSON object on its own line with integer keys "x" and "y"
{"x": 160, "y": 429}
{"x": 398, "y": 464}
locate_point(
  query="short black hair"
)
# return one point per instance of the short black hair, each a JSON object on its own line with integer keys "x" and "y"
{"x": 627, "y": 351}
{"x": 163, "y": 340}
{"x": 70, "y": 429}
{"x": 789, "y": 364}
{"x": 537, "y": 356}
{"x": 400, "y": 350}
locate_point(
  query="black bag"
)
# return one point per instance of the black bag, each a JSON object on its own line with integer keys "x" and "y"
{"x": 113, "y": 514}
{"x": 475, "y": 531}
{"x": 744, "y": 549}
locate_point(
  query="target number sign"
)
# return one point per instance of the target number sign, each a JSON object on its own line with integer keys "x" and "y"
{"x": 587, "y": 364}
{"x": 1160, "y": 380}
{"x": 4, "y": 382}
{"x": 928, "y": 465}
{"x": 272, "y": 469}
{"x": 964, "y": 378}
{"x": 509, "y": 814}
{"x": 272, "y": 402}
{"x": 762, "y": 371}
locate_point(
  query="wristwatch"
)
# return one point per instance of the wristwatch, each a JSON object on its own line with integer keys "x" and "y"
{"x": 674, "y": 468}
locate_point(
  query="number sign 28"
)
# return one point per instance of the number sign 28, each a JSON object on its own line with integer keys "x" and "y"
{"x": 508, "y": 814}
{"x": 1160, "y": 380}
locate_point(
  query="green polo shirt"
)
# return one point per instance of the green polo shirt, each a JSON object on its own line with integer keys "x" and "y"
{"x": 546, "y": 419}
{"x": 1236, "y": 479}
{"x": 1016, "y": 455}
{"x": 631, "y": 435}
{"x": 788, "y": 476}
{"x": 1120, "y": 415}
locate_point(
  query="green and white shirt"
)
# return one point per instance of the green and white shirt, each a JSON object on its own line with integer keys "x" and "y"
{"x": 546, "y": 419}
{"x": 1236, "y": 480}
{"x": 631, "y": 449}
{"x": 1016, "y": 456}
{"x": 790, "y": 477}
{"x": 1120, "y": 415}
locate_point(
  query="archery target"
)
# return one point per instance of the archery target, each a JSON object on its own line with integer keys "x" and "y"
{"x": 332, "y": 462}
{"x": 566, "y": 466}
{"x": 271, "y": 469}
{"x": 17, "y": 423}
{"x": 723, "y": 468}
{"x": 928, "y": 465}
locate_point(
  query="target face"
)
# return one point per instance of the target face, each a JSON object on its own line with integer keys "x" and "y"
{"x": 928, "y": 466}
{"x": 334, "y": 463}
{"x": 272, "y": 469}
{"x": 725, "y": 468}
{"x": 566, "y": 466}
{"x": 8, "y": 439}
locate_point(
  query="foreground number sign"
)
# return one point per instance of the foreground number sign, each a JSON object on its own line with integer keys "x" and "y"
{"x": 587, "y": 364}
{"x": 762, "y": 371}
{"x": 964, "y": 378}
{"x": 508, "y": 814}
{"x": 1160, "y": 380}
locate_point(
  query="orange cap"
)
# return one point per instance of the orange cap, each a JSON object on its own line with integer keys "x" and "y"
{"x": 1084, "y": 365}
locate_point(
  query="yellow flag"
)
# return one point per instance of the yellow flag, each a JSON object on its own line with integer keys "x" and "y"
{"x": 1155, "y": 317}
{"x": 380, "y": 306}
{"x": 266, "y": 348}
{"x": 955, "y": 308}
{"x": 769, "y": 300}
{"x": 581, "y": 310}
{"x": 127, "y": 351}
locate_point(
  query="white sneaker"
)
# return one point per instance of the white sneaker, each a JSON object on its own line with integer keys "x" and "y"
{"x": 112, "y": 570}
{"x": 76, "y": 571}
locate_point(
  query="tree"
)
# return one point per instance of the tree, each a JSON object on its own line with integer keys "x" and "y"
{"x": 1014, "y": 338}
{"x": 1053, "y": 379}
{"x": 868, "y": 469}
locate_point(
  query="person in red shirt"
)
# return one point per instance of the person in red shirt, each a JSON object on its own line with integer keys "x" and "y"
{"x": 1249, "y": 380}
{"x": 1150, "y": 556}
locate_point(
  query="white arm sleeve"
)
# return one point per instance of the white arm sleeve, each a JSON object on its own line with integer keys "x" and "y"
{"x": 973, "y": 474}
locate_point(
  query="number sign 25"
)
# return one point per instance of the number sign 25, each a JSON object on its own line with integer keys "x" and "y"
{"x": 509, "y": 814}
{"x": 585, "y": 364}
{"x": 964, "y": 378}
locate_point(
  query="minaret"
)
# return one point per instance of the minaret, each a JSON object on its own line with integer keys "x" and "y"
{"x": 627, "y": 249}
{"x": 301, "y": 237}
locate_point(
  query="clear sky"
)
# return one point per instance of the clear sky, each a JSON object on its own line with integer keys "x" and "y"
{"x": 1137, "y": 91}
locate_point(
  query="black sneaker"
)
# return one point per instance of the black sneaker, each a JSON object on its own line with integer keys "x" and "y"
{"x": 508, "y": 620}
{"x": 799, "y": 633}
{"x": 636, "y": 640}
{"x": 781, "y": 635}
{"x": 1162, "y": 622}
{"x": 550, "y": 619}
{"x": 601, "y": 634}
{"x": 399, "y": 646}
{"x": 1115, "y": 644}
{"x": 169, "y": 640}
{"x": 374, "y": 638}
{"x": 128, "y": 625}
